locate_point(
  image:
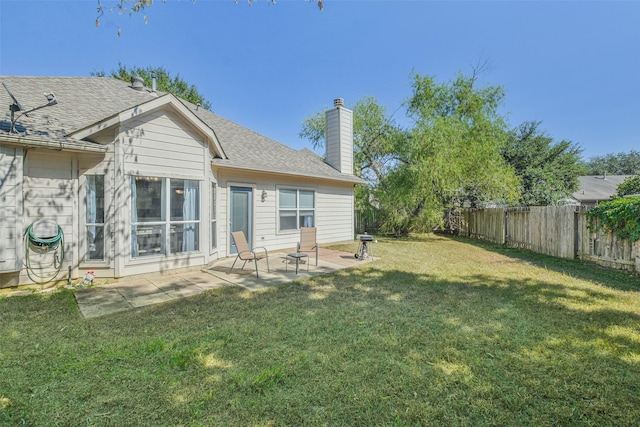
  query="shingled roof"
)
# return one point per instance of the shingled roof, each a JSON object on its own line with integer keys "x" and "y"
{"x": 87, "y": 101}
{"x": 598, "y": 188}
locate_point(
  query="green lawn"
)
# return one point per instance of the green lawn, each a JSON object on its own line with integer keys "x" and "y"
{"x": 437, "y": 331}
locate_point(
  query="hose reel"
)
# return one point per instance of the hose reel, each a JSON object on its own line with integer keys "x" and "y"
{"x": 43, "y": 237}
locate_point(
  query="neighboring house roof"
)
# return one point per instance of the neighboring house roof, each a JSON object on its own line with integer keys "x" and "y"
{"x": 86, "y": 102}
{"x": 598, "y": 188}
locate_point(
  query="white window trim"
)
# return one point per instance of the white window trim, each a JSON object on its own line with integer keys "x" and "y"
{"x": 167, "y": 222}
{"x": 84, "y": 262}
{"x": 227, "y": 214}
{"x": 214, "y": 190}
{"x": 298, "y": 189}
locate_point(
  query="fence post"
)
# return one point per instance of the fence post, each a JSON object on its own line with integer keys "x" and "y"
{"x": 576, "y": 235}
{"x": 505, "y": 236}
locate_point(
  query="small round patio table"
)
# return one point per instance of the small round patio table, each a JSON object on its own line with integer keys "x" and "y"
{"x": 297, "y": 256}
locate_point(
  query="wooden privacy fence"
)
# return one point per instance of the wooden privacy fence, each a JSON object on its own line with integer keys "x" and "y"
{"x": 560, "y": 231}
{"x": 368, "y": 221}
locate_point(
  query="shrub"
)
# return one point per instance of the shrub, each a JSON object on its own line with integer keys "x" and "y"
{"x": 620, "y": 215}
{"x": 631, "y": 185}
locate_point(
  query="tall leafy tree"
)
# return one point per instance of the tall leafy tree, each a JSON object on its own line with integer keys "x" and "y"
{"x": 615, "y": 164}
{"x": 374, "y": 138}
{"x": 165, "y": 82}
{"x": 374, "y": 134}
{"x": 453, "y": 154}
{"x": 631, "y": 185}
{"x": 548, "y": 170}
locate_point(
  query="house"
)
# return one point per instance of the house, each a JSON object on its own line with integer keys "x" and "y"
{"x": 139, "y": 181}
{"x": 595, "y": 189}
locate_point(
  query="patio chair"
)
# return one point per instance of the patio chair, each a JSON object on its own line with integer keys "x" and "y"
{"x": 308, "y": 241}
{"x": 245, "y": 254}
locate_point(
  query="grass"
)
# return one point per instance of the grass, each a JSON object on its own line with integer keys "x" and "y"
{"x": 437, "y": 331}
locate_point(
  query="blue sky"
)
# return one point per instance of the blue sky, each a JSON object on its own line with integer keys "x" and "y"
{"x": 573, "y": 65}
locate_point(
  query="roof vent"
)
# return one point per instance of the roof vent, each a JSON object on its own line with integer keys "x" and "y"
{"x": 154, "y": 84}
{"x": 338, "y": 102}
{"x": 137, "y": 83}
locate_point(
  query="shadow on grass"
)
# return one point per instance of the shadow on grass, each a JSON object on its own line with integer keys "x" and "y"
{"x": 584, "y": 270}
{"x": 374, "y": 345}
{"x": 523, "y": 352}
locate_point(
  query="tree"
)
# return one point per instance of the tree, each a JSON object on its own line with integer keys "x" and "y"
{"x": 373, "y": 138}
{"x": 164, "y": 81}
{"x": 450, "y": 155}
{"x": 615, "y": 164}
{"x": 631, "y": 185}
{"x": 453, "y": 155}
{"x": 548, "y": 171}
{"x": 131, "y": 7}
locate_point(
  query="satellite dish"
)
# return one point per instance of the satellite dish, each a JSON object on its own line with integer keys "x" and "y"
{"x": 16, "y": 106}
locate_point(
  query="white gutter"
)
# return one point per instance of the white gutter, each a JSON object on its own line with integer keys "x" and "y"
{"x": 352, "y": 179}
{"x": 60, "y": 144}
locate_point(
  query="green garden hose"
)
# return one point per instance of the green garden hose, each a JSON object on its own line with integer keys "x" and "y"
{"x": 44, "y": 245}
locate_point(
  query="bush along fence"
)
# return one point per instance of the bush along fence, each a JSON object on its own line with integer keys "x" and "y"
{"x": 560, "y": 231}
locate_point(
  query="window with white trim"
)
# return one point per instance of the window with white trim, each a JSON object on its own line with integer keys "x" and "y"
{"x": 94, "y": 217}
{"x": 296, "y": 208}
{"x": 165, "y": 216}
{"x": 214, "y": 218}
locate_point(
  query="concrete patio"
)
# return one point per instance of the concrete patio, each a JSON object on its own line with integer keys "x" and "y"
{"x": 131, "y": 293}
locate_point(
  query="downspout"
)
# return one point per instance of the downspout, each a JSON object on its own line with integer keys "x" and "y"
{"x": 20, "y": 210}
{"x": 118, "y": 215}
{"x": 75, "y": 216}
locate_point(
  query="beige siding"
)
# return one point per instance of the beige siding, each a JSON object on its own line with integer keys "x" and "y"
{"x": 50, "y": 191}
{"x": 339, "y": 139}
{"x": 332, "y": 120}
{"x": 97, "y": 165}
{"x": 223, "y": 218}
{"x": 346, "y": 147}
{"x": 10, "y": 170}
{"x": 334, "y": 214}
{"x": 159, "y": 143}
{"x": 265, "y": 225}
{"x": 334, "y": 210}
{"x": 155, "y": 144}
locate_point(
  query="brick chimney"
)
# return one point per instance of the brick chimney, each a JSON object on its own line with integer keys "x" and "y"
{"x": 339, "y": 137}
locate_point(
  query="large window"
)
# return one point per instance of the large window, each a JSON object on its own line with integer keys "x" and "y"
{"x": 94, "y": 217}
{"x": 165, "y": 216}
{"x": 296, "y": 208}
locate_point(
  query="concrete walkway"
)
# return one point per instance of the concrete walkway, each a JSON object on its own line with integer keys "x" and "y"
{"x": 131, "y": 293}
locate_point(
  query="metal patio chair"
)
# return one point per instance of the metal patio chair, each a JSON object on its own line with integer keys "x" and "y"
{"x": 308, "y": 242}
{"x": 245, "y": 254}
